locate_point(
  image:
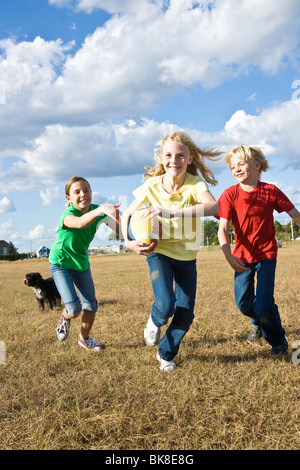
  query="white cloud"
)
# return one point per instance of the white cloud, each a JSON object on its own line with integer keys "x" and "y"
{"x": 111, "y": 6}
{"x": 275, "y": 129}
{"x": 111, "y": 149}
{"x": 99, "y": 199}
{"x": 2, "y": 93}
{"x": 252, "y": 97}
{"x": 103, "y": 149}
{"x": 6, "y": 205}
{"x": 293, "y": 194}
{"x": 61, "y": 3}
{"x": 6, "y": 228}
{"x": 38, "y": 232}
{"x": 61, "y": 109}
{"x": 49, "y": 195}
{"x": 27, "y": 73}
{"x": 140, "y": 57}
{"x": 29, "y": 68}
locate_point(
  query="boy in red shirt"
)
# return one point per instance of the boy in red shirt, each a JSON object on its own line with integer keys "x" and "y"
{"x": 250, "y": 205}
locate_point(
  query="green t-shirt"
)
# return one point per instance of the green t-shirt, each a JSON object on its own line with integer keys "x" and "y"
{"x": 70, "y": 249}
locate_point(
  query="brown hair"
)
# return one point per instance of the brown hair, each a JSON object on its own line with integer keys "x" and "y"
{"x": 73, "y": 180}
{"x": 196, "y": 152}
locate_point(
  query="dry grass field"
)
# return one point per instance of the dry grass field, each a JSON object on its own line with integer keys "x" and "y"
{"x": 225, "y": 393}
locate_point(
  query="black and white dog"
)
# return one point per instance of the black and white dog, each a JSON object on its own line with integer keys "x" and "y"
{"x": 45, "y": 290}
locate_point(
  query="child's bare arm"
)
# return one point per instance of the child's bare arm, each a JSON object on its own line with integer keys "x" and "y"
{"x": 87, "y": 219}
{"x": 295, "y": 215}
{"x": 223, "y": 235}
{"x": 208, "y": 206}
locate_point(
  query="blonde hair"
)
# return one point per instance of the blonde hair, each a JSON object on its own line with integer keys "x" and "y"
{"x": 73, "y": 180}
{"x": 247, "y": 153}
{"x": 197, "y": 153}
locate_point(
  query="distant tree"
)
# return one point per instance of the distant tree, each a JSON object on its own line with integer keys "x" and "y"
{"x": 11, "y": 250}
{"x": 211, "y": 232}
{"x": 114, "y": 236}
{"x": 279, "y": 229}
{"x": 292, "y": 229}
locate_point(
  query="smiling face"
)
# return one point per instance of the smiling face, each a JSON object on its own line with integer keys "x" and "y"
{"x": 175, "y": 158}
{"x": 80, "y": 194}
{"x": 245, "y": 172}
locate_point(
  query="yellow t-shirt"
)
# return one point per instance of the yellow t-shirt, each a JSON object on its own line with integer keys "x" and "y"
{"x": 181, "y": 237}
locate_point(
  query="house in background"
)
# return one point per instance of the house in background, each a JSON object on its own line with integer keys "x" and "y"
{"x": 3, "y": 247}
{"x": 43, "y": 252}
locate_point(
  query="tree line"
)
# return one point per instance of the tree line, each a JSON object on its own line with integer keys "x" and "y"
{"x": 284, "y": 233}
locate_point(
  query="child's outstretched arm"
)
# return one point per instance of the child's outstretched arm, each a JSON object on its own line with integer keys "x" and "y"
{"x": 208, "y": 206}
{"x": 224, "y": 240}
{"x": 295, "y": 215}
{"x": 87, "y": 219}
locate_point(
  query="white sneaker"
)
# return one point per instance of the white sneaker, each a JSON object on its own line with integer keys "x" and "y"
{"x": 151, "y": 333}
{"x": 90, "y": 344}
{"x": 165, "y": 365}
{"x": 63, "y": 328}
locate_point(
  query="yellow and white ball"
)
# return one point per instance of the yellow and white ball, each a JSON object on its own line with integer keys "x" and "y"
{"x": 145, "y": 230}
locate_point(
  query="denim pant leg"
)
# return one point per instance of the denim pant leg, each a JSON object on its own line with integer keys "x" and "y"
{"x": 265, "y": 307}
{"x": 260, "y": 306}
{"x": 162, "y": 280}
{"x": 244, "y": 292}
{"x": 165, "y": 272}
{"x": 185, "y": 277}
{"x": 85, "y": 286}
{"x": 66, "y": 280}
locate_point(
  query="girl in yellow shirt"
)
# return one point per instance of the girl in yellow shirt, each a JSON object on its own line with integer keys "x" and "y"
{"x": 178, "y": 196}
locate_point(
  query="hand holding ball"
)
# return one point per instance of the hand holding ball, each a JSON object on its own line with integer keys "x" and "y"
{"x": 145, "y": 230}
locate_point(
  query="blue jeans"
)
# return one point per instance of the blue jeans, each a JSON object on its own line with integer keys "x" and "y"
{"x": 66, "y": 280}
{"x": 174, "y": 285}
{"x": 260, "y": 305}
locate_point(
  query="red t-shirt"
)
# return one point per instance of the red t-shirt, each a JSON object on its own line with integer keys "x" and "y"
{"x": 252, "y": 219}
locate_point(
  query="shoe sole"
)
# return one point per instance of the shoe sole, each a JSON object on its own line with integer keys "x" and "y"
{"x": 65, "y": 336}
{"x": 172, "y": 365}
{"x": 62, "y": 339}
{"x": 98, "y": 349}
{"x": 254, "y": 340}
{"x": 280, "y": 355}
{"x": 150, "y": 344}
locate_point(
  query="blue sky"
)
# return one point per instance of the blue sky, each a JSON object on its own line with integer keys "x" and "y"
{"x": 88, "y": 87}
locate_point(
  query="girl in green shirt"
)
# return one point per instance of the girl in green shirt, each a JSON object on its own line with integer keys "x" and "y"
{"x": 69, "y": 260}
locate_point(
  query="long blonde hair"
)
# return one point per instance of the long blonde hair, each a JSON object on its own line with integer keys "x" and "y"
{"x": 196, "y": 152}
{"x": 246, "y": 153}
